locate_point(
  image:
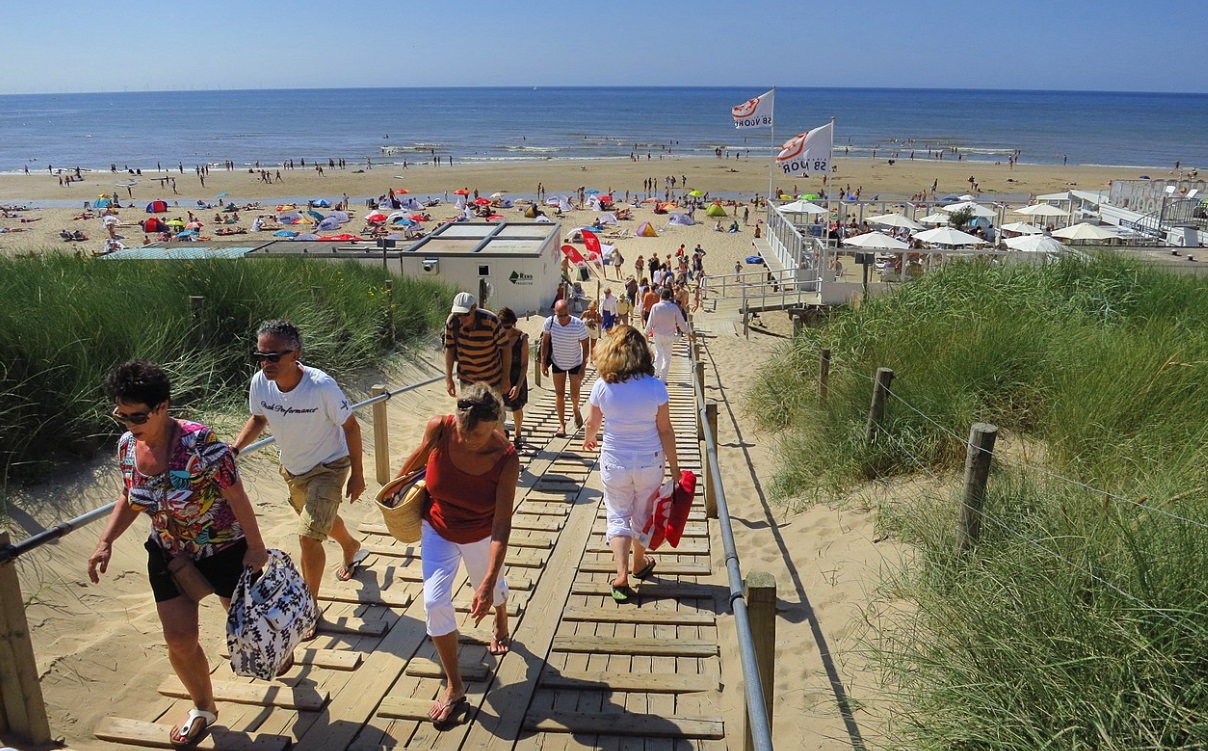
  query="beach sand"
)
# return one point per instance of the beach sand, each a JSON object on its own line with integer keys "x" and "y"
{"x": 99, "y": 647}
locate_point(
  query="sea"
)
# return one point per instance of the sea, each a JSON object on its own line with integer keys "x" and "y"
{"x": 168, "y": 129}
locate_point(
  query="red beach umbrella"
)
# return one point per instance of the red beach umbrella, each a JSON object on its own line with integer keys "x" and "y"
{"x": 482, "y": 201}
{"x": 461, "y": 192}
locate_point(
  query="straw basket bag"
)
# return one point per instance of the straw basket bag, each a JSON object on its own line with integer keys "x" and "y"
{"x": 402, "y": 502}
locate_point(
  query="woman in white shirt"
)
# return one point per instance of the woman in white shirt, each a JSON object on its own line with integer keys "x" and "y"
{"x": 639, "y": 443}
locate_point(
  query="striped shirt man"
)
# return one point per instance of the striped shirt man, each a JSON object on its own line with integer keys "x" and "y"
{"x": 474, "y": 339}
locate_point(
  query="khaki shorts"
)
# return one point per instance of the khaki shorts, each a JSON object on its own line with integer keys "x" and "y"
{"x": 316, "y": 496}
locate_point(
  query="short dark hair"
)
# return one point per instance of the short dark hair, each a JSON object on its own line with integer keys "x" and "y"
{"x": 666, "y": 294}
{"x": 507, "y": 315}
{"x": 282, "y": 329}
{"x": 138, "y": 382}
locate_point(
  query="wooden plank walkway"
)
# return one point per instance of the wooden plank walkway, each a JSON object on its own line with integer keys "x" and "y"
{"x": 584, "y": 671}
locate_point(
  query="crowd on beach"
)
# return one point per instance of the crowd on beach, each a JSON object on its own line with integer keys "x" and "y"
{"x": 186, "y": 479}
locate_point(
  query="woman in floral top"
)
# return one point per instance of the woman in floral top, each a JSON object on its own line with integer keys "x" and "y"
{"x": 184, "y": 478}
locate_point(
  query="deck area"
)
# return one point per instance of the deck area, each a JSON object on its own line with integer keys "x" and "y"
{"x": 584, "y": 671}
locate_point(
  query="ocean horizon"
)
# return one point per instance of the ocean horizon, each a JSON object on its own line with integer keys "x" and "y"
{"x": 143, "y": 130}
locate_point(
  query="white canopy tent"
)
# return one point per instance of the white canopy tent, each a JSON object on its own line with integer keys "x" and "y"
{"x": 802, "y": 207}
{"x": 1043, "y": 209}
{"x": 1022, "y": 227}
{"x": 1035, "y": 244}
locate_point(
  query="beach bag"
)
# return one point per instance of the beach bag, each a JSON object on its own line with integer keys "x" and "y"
{"x": 671, "y": 509}
{"x": 402, "y": 502}
{"x": 269, "y": 615}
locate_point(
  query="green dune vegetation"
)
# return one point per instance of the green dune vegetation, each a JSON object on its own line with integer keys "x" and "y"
{"x": 1080, "y": 619}
{"x": 65, "y": 321}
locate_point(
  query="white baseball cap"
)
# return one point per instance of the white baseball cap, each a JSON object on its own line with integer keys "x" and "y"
{"x": 463, "y": 302}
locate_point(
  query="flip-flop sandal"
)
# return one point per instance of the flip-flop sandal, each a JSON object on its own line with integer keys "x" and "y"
{"x": 622, "y": 593}
{"x": 446, "y": 711}
{"x": 560, "y": 434}
{"x": 193, "y": 729}
{"x": 348, "y": 570}
{"x": 647, "y": 570}
{"x": 500, "y": 647}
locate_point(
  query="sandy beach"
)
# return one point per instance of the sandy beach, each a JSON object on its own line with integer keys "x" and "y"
{"x": 104, "y": 641}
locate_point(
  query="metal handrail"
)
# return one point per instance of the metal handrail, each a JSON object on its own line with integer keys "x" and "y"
{"x": 10, "y": 552}
{"x": 761, "y": 730}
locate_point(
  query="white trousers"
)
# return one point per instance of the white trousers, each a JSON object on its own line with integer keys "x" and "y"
{"x": 439, "y": 560}
{"x": 630, "y": 485}
{"x": 662, "y": 356}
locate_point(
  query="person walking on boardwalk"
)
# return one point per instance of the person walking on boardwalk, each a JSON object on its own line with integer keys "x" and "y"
{"x": 639, "y": 441}
{"x": 182, "y": 476}
{"x": 471, "y": 479}
{"x": 565, "y": 344}
{"x": 474, "y": 340}
{"x": 319, "y": 440}
{"x": 517, "y": 397}
{"x": 666, "y": 320}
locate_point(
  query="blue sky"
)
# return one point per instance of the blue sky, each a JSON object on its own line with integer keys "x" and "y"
{"x": 1111, "y": 45}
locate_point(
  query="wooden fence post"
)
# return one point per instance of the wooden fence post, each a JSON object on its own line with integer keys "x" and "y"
{"x": 978, "y": 456}
{"x": 381, "y": 436}
{"x": 876, "y": 410}
{"x": 710, "y": 481}
{"x": 22, "y": 709}
{"x": 761, "y": 608}
{"x": 824, "y": 374}
{"x": 197, "y": 307}
{"x": 536, "y": 357}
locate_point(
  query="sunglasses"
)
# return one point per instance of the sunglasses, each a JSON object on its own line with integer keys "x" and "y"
{"x": 133, "y": 418}
{"x": 259, "y": 356}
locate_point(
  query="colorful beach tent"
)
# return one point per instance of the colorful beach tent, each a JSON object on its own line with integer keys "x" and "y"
{"x": 715, "y": 209}
{"x": 157, "y": 207}
{"x": 647, "y": 230}
{"x": 682, "y": 220}
{"x": 153, "y": 224}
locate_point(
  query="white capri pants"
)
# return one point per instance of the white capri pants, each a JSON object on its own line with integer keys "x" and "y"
{"x": 664, "y": 347}
{"x": 439, "y": 560}
{"x": 630, "y": 484}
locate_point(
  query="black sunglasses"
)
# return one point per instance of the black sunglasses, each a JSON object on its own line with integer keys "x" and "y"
{"x": 259, "y": 356}
{"x": 133, "y": 418}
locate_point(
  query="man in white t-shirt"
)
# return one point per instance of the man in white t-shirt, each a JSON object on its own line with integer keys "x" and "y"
{"x": 666, "y": 320}
{"x": 565, "y": 341}
{"x": 608, "y": 309}
{"x": 320, "y": 445}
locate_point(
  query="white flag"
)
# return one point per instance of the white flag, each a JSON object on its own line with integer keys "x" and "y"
{"x": 755, "y": 113}
{"x": 808, "y": 152}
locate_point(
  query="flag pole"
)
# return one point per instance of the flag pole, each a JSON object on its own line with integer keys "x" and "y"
{"x": 827, "y": 184}
{"x": 772, "y": 159}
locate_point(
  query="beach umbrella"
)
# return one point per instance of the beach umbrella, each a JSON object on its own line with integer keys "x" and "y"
{"x": 497, "y": 195}
{"x": 935, "y": 218}
{"x": 109, "y": 221}
{"x": 1022, "y": 227}
{"x": 696, "y": 193}
{"x": 1086, "y": 231}
{"x": 314, "y": 215}
{"x": 1042, "y": 209}
{"x": 400, "y": 191}
{"x": 802, "y": 207}
{"x": 482, "y": 201}
{"x": 976, "y": 208}
{"x": 174, "y": 223}
{"x": 592, "y": 192}
{"x": 284, "y": 233}
{"x": 895, "y": 220}
{"x": 808, "y": 196}
{"x": 187, "y": 233}
{"x": 286, "y": 207}
{"x": 494, "y": 217}
{"x": 221, "y": 195}
{"x": 193, "y": 225}
{"x": 1035, "y": 244}
{"x": 876, "y": 241}
{"x": 461, "y": 192}
{"x": 607, "y": 199}
{"x": 378, "y": 217}
{"x": 341, "y": 238}
{"x": 306, "y": 236}
{"x": 948, "y": 236}
{"x": 320, "y": 202}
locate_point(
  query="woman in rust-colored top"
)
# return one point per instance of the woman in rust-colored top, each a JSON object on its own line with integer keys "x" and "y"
{"x": 471, "y": 478}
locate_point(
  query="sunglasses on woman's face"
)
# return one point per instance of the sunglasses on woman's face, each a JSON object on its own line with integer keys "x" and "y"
{"x": 259, "y": 356}
{"x": 131, "y": 418}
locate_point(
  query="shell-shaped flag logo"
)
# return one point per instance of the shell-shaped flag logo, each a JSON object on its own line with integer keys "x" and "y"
{"x": 746, "y": 109}
{"x": 793, "y": 147}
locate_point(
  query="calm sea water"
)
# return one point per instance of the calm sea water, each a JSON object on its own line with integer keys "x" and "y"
{"x": 140, "y": 130}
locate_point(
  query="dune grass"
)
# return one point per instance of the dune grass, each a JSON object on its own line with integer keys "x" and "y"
{"x": 1081, "y": 619}
{"x": 65, "y": 321}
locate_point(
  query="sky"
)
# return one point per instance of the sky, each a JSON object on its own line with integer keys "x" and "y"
{"x": 52, "y": 46}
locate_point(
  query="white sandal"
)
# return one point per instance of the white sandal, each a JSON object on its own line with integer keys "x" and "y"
{"x": 186, "y": 729}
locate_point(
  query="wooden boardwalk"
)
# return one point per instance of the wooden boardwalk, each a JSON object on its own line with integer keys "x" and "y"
{"x": 584, "y": 672}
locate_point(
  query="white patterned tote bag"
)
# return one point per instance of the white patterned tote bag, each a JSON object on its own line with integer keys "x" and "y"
{"x": 269, "y": 616}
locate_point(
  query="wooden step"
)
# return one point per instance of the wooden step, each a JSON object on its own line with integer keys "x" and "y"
{"x": 613, "y": 680}
{"x": 411, "y": 708}
{"x": 388, "y": 598}
{"x": 633, "y": 646}
{"x": 331, "y": 659}
{"x": 665, "y": 568}
{"x": 652, "y": 590}
{"x": 627, "y": 724}
{"x": 260, "y": 694}
{"x": 421, "y": 667}
{"x": 129, "y": 732}
{"x": 630, "y": 614}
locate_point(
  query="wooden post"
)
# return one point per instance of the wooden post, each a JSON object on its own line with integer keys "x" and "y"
{"x": 977, "y": 470}
{"x": 390, "y": 309}
{"x": 876, "y": 410}
{"x": 798, "y": 325}
{"x": 824, "y": 374}
{"x": 381, "y": 436}
{"x": 536, "y": 357}
{"x": 761, "y": 608}
{"x": 22, "y": 710}
{"x": 197, "y": 307}
{"x": 710, "y": 490}
{"x": 700, "y": 375}
{"x": 316, "y": 293}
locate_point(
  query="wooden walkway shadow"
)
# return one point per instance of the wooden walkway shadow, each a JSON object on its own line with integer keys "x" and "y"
{"x": 584, "y": 671}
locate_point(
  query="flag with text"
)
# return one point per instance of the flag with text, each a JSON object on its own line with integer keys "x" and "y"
{"x": 755, "y": 113}
{"x": 808, "y": 152}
